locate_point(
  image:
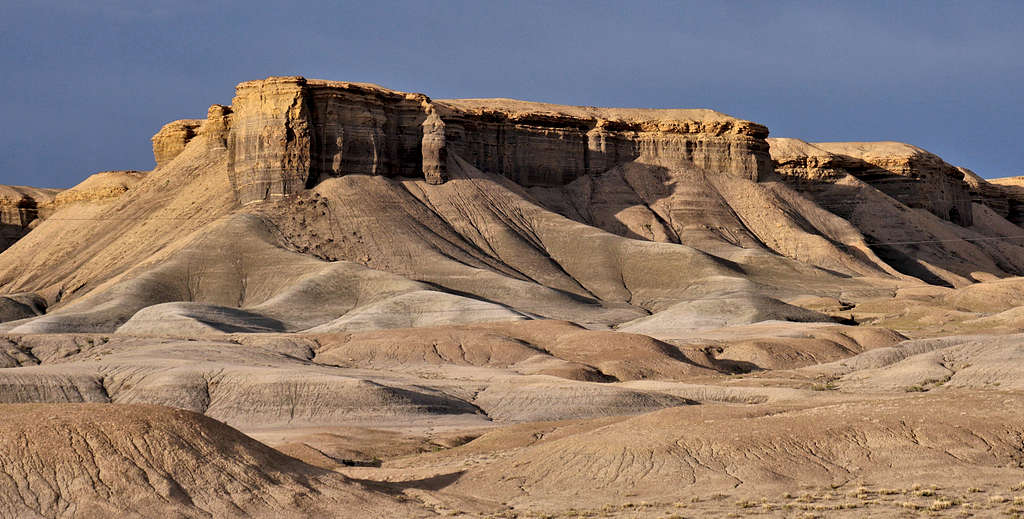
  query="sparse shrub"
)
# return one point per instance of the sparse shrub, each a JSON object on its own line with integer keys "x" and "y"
{"x": 974, "y": 490}
{"x": 940, "y": 504}
{"x": 998, "y": 499}
{"x": 1018, "y": 487}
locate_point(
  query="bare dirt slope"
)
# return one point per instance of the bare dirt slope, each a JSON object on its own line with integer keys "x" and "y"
{"x": 145, "y": 461}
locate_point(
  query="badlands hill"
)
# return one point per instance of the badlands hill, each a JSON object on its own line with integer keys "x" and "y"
{"x": 666, "y": 303}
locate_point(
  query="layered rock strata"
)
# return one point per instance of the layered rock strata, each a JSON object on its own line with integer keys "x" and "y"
{"x": 1011, "y": 189}
{"x": 289, "y": 133}
{"x": 539, "y": 144}
{"x": 20, "y": 209}
{"x": 906, "y": 173}
{"x": 97, "y": 187}
{"x": 172, "y": 139}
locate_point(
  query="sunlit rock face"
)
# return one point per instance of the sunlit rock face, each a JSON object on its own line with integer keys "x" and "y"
{"x": 906, "y": 173}
{"x": 288, "y": 133}
{"x": 20, "y": 210}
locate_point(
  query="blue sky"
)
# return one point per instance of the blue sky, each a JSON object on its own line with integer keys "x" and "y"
{"x": 86, "y": 84}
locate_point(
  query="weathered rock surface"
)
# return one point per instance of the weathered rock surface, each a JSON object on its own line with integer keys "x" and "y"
{"x": 884, "y": 189}
{"x": 170, "y": 141}
{"x": 1012, "y": 188}
{"x": 906, "y": 173}
{"x": 539, "y": 144}
{"x": 20, "y": 211}
{"x": 98, "y": 187}
{"x": 102, "y": 460}
{"x": 289, "y": 133}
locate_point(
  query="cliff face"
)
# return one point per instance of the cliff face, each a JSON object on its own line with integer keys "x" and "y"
{"x": 20, "y": 208}
{"x": 172, "y": 138}
{"x": 909, "y": 174}
{"x": 288, "y": 134}
{"x": 538, "y": 144}
{"x": 1011, "y": 191}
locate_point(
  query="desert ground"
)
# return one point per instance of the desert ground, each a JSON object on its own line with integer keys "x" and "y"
{"x": 333, "y": 299}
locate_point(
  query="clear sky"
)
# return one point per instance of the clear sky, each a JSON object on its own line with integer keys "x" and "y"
{"x": 86, "y": 84}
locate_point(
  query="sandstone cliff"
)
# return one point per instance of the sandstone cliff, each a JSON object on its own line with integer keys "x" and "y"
{"x": 1012, "y": 190}
{"x": 172, "y": 138}
{"x": 907, "y": 173}
{"x": 20, "y": 208}
{"x": 289, "y": 133}
{"x": 23, "y": 208}
{"x": 877, "y": 186}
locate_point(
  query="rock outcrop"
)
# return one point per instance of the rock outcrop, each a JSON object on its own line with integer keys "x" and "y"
{"x": 172, "y": 139}
{"x": 99, "y": 186}
{"x": 906, "y": 173}
{"x": 983, "y": 192}
{"x": 1012, "y": 190}
{"x": 289, "y": 133}
{"x": 540, "y": 144}
{"x": 20, "y": 209}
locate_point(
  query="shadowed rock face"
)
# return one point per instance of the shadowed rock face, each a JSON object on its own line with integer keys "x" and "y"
{"x": 906, "y": 173}
{"x": 1011, "y": 189}
{"x": 19, "y": 210}
{"x": 289, "y": 133}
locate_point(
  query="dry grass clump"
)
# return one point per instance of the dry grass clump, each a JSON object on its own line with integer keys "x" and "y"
{"x": 807, "y": 497}
{"x": 941, "y": 504}
{"x": 1018, "y": 487}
